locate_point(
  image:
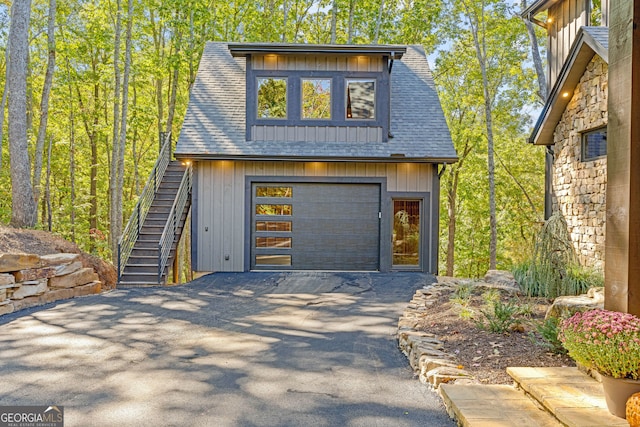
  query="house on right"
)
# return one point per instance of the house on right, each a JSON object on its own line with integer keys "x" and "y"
{"x": 573, "y": 121}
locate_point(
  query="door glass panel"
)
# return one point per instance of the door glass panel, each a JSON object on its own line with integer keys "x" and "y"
{"x": 268, "y": 209}
{"x": 406, "y": 232}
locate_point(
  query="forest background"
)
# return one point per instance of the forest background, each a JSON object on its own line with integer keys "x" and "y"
{"x": 101, "y": 79}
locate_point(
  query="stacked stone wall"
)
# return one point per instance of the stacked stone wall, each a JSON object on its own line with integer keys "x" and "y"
{"x": 28, "y": 280}
{"x": 580, "y": 187}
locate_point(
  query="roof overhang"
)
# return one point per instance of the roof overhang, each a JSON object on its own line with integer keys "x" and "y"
{"x": 244, "y": 49}
{"x": 535, "y": 8}
{"x": 390, "y": 159}
{"x": 582, "y": 51}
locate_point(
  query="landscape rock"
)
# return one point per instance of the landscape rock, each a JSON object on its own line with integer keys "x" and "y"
{"x": 80, "y": 277}
{"x": 65, "y": 269}
{"x": 3, "y": 294}
{"x": 59, "y": 259}
{"x": 7, "y": 279}
{"x": 55, "y": 295}
{"x": 28, "y": 289}
{"x": 567, "y": 306}
{"x": 34, "y": 274}
{"x": 501, "y": 277}
{"x": 6, "y": 309}
{"x": 15, "y": 262}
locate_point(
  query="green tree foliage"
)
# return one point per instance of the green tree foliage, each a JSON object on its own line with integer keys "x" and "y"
{"x": 519, "y": 168}
{"x": 168, "y": 38}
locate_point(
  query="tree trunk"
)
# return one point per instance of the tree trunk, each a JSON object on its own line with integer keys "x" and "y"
{"x": 3, "y": 102}
{"x": 115, "y": 193}
{"x": 44, "y": 102}
{"x": 123, "y": 123}
{"x": 478, "y": 31}
{"x": 72, "y": 166}
{"x": 23, "y": 208}
{"x": 378, "y": 23}
{"x": 47, "y": 188}
{"x": 452, "y": 197}
{"x": 350, "y": 29}
{"x": 285, "y": 12}
{"x": 174, "y": 84}
{"x": 334, "y": 21}
{"x": 535, "y": 54}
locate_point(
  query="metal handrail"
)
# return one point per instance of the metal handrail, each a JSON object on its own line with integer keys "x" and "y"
{"x": 132, "y": 230}
{"x": 173, "y": 221}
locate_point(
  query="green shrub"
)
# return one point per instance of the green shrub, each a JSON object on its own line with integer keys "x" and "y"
{"x": 554, "y": 269}
{"x": 500, "y": 316}
{"x": 548, "y": 330}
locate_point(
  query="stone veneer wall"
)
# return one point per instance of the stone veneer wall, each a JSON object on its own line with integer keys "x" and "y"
{"x": 580, "y": 187}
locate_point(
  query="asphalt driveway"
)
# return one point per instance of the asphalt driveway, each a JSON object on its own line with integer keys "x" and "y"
{"x": 242, "y": 349}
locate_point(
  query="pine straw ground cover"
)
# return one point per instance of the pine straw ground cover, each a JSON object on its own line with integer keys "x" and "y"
{"x": 458, "y": 321}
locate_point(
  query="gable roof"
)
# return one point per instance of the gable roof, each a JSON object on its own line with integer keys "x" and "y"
{"x": 589, "y": 41}
{"x": 214, "y": 124}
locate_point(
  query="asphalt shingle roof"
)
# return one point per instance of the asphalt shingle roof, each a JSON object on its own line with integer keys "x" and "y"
{"x": 214, "y": 124}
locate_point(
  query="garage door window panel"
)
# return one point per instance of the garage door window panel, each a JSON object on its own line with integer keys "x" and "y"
{"x": 273, "y": 260}
{"x": 274, "y": 226}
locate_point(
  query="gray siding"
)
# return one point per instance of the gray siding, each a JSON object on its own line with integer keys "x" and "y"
{"x": 220, "y": 223}
{"x": 566, "y": 19}
{"x": 316, "y": 133}
{"x": 317, "y": 63}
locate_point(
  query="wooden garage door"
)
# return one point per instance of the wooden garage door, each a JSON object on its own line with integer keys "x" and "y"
{"x": 304, "y": 226}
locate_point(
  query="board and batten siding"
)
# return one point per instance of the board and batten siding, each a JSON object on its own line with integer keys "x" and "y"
{"x": 317, "y": 63}
{"x": 566, "y": 19}
{"x": 219, "y": 225}
{"x": 316, "y": 133}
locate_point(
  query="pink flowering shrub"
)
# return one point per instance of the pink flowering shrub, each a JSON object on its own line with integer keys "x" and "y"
{"x": 607, "y": 341}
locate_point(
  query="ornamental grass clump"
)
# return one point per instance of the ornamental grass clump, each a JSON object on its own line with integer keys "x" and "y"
{"x": 607, "y": 341}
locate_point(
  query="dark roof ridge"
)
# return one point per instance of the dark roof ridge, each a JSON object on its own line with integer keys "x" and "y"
{"x": 243, "y": 49}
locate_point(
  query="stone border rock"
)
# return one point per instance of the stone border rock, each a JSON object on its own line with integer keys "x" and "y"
{"x": 430, "y": 363}
{"x": 28, "y": 280}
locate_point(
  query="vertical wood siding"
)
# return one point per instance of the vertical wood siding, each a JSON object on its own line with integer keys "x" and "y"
{"x": 316, "y": 63}
{"x": 566, "y": 19}
{"x": 316, "y": 133}
{"x": 221, "y": 194}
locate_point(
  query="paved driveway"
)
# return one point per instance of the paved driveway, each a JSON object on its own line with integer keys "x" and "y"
{"x": 246, "y": 349}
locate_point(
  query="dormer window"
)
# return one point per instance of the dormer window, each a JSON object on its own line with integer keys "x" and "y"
{"x": 361, "y": 99}
{"x": 272, "y": 98}
{"x": 319, "y": 93}
{"x": 316, "y": 99}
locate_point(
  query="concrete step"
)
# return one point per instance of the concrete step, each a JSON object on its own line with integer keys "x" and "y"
{"x": 477, "y": 405}
{"x": 573, "y": 397}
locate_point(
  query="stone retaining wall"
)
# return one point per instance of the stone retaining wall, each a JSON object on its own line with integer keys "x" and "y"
{"x": 28, "y": 280}
{"x": 425, "y": 352}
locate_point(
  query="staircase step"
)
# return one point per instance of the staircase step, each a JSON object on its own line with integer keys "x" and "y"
{"x": 475, "y": 405}
{"x": 575, "y": 398}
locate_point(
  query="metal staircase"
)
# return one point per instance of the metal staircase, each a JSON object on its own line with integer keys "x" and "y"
{"x": 148, "y": 244}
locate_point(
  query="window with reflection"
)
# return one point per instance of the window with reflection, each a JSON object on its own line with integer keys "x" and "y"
{"x": 316, "y": 98}
{"x": 361, "y": 96}
{"x": 272, "y": 98}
